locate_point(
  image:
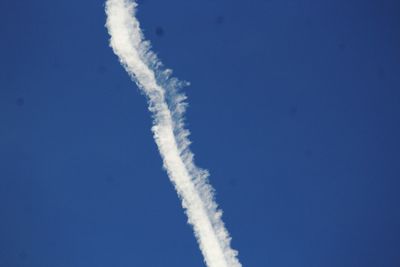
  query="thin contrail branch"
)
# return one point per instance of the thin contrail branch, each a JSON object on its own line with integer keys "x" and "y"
{"x": 167, "y": 106}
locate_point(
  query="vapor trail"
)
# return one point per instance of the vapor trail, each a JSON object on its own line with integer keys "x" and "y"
{"x": 167, "y": 106}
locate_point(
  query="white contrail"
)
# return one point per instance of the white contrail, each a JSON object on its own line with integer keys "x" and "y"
{"x": 167, "y": 106}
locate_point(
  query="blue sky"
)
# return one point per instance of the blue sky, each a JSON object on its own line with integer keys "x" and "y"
{"x": 293, "y": 107}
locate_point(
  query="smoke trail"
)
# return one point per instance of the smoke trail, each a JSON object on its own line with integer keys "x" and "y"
{"x": 167, "y": 106}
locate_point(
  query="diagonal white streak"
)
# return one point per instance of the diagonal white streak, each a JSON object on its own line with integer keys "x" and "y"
{"x": 167, "y": 106}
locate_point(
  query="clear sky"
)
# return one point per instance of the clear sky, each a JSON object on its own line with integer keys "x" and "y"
{"x": 293, "y": 108}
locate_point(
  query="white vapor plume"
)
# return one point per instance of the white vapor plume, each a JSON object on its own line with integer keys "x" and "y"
{"x": 167, "y": 106}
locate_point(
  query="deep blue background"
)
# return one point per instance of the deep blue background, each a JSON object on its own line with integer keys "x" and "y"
{"x": 294, "y": 109}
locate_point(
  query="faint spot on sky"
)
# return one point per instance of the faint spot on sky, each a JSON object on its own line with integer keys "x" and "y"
{"x": 110, "y": 179}
{"x": 219, "y": 20}
{"x": 159, "y": 31}
{"x": 23, "y": 255}
{"x": 56, "y": 64}
{"x": 341, "y": 46}
{"x": 101, "y": 69}
{"x": 20, "y": 101}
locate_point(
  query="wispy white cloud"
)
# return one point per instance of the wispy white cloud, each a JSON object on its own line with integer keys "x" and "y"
{"x": 167, "y": 106}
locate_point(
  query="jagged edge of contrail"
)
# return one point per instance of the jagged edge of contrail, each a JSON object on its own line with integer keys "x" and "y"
{"x": 167, "y": 106}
